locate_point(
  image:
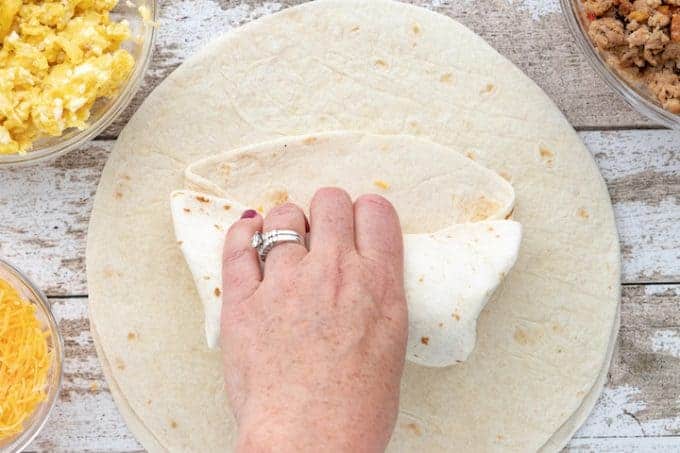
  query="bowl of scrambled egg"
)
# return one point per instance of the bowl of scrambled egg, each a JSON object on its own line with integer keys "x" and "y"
{"x": 67, "y": 69}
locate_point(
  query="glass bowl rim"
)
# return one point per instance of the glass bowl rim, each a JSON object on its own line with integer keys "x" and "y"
{"x": 121, "y": 102}
{"x": 642, "y": 104}
{"x": 32, "y": 431}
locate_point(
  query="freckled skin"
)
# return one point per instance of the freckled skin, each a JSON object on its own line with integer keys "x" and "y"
{"x": 314, "y": 349}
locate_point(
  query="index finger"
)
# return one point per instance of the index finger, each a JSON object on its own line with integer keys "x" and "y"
{"x": 241, "y": 273}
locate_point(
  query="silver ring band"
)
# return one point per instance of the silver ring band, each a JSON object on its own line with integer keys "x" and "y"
{"x": 265, "y": 242}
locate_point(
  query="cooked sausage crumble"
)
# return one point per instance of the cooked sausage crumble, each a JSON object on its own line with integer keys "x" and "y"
{"x": 641, "y": 38}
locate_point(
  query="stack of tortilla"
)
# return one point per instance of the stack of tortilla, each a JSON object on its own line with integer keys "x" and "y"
{"x": 544, "y": 340}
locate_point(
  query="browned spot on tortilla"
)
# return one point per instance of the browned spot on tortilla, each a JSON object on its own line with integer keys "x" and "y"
{"x": 421, "y": 279}
{"x": 355, "y": 28}
{"x": 126, "y": 177}
{"x": 180, "y": 242}
{"x": 279, "y": 197}
{"x": 582, "y": 213}
{"x": 471, "y": 155}
{"x": 202, "y": 199}
{"x": 225, "y": 169}
{"x": 187, "y": 210}
{"x": 546, "y": 155}
{"x": 94, "y": 386}
{"x": 521, "y": 336}
{"x": 510, "y": 214}
{"x": 217, "y": 227}
{"x": 505, "y": 175}
{"x": 489, "y": 228}
{"x": 226, "y": 207}
{"x": 117, "y": 195}
{"x": 499, "y": 438}
{"x": 173, "y": 424}
{"x": 441, "y": 324}
{"x": 482, "y": 208}
{"x": 381, "y": 63}
{"x": 109, "y": 273}
{"x": 206, "y": 277}
{"x": 455, "y": 316}
{"x": 120, "y": 364}
{"x": 488, "y": 88}
{"x": 416, "y": 29}
{"x": 148, "y": 402}
{"x": 131, "y": 336}
{"x": 425, "y": 340}
{"x": 218, "y": 292}
{"x": 310, "y": 140}
{"x": 415, "y": 428}
{"x": 447, "y": 77}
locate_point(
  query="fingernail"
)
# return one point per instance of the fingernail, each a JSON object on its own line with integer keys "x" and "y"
{"x": 249, "y": 214}
{"x": 306, "y": 225}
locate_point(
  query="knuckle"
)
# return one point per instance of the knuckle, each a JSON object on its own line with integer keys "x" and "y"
{"x": 376, "y": 202}
{"x": 330, "y": 193}
{"x": 286, "y": 210}
{"x": 234, "y": 255}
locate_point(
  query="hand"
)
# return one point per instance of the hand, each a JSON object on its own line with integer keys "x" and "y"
{"x": 314, "y": 346}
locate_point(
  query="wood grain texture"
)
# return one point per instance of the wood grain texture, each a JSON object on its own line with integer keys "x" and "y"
{"x": 49, "y": 207}
{"x": 638, "y": 409}
{"x": 531, "y": 33}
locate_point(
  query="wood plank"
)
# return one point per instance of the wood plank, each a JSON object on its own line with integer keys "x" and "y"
{"x": 638, "y": 410}
{"x": 533, "y": 34}
{"x": 642, "y": 171}
{"x": 47, "y": 208}
{"x": 625, "y": 445}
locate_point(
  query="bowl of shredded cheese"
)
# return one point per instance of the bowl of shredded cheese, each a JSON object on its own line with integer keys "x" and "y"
{"x": 68, "y": 68}
{"x": 31, "y": 357}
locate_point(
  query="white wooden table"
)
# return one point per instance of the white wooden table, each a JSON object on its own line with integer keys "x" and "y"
{"x": 44, "y": 211}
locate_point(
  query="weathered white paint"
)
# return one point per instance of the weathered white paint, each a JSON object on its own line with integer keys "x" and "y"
{"x": 667, "y": 342}
{"x": 625, "y": 445}
{"x": 610, "y": 416}
{"x": 192, "y": 25}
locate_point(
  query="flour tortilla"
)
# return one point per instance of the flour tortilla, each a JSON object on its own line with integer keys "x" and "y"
{"x": 449, "y": 276}
{"x": 386, "y": 68}
{"x": 458, "y": 247}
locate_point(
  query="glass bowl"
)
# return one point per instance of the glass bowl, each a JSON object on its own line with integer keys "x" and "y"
{"x": 37, "y": 420}
{"x": 636, "y": 95}
{"x": 105, "y": 110}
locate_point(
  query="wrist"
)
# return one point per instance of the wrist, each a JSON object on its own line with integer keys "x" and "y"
{"x": 313, "y": 428}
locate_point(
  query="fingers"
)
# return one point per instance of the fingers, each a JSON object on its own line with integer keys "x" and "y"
{"x": 378, "y": 232}
{"x": 284, "y": 255}
{"x": 241, "y": 273}
{"x": 332, "y": 220}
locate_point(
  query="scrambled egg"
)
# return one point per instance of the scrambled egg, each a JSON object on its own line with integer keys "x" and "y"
{"x": 57, "y": 57}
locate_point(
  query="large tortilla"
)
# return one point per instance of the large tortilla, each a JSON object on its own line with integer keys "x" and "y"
{"x": 379, "y": 67}
{"x": 458, "y": 245}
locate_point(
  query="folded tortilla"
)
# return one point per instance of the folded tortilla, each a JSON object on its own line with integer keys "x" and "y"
{"x": 450, "y": 271}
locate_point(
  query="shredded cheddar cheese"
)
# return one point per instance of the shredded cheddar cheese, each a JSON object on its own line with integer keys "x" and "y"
{"x": 24, "y": 361}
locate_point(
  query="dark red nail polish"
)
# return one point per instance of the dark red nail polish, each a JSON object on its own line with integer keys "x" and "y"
{"x": 249, "y": 214}
{"x": 306, "y": 225}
